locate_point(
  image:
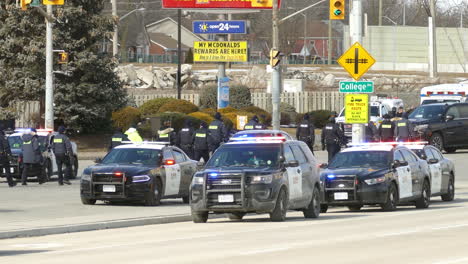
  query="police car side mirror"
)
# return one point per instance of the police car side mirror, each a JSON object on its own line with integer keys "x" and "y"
{"x": 398, "y": 163}
{"x": 433, "y": 161}
{"x": 423, "y": 156}
{"x": 292, "y": 163}
{"x": 98, "y": 160}
{"x": 323, "y": 166}
{"x": 450, "y": 117}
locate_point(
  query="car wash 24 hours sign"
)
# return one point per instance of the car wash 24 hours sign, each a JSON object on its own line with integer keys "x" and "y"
{"x": 220, "y": 51}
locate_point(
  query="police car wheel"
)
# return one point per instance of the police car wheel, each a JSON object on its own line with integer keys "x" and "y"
{"x": 323, "y": 208}
{"x": 437, "y": 141}
{"x": 153, "y": 198}
{"x": 314, "y": 208}
{"x": 199, "y": 217}
{"x": 48, "y": 170}
{"x": 450, "y": 150}
{"x": 88, "y": 201}
{"x": 185, "y": 199}
{"x": 355, "y": 208}
{"x": 236, "y": 216}
{"x": 281, "y": 207}
{"x": 424, "y": 200}
{"x": 74, "y": 168}
{"x": 392, "y": 199}
{"x": 450, "y": 195}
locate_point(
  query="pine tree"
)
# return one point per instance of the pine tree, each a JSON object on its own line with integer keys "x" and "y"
{"x": 84, "y": 97}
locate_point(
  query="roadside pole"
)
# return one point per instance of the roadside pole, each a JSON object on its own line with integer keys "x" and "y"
{"x": 49, "y": 93}
{"x": 330, "y": 42}
{"x": 432, "y": 42}
{"x": 276, "y": 71}
{"x": 221, "y": 65}
{"x": 115, "y": 37}
{"x": 179, "y": 53}
{"x": 356, "y": 36}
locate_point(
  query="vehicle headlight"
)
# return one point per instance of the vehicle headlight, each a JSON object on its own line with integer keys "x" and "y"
{"x": 86, "y": 177}
{"x": 421, "y": 127}
{"x": 141, "y": 178}
{"x": 375, "y": 180}
{"x": 198, "y": 179}
{"x": 262, "y": 179}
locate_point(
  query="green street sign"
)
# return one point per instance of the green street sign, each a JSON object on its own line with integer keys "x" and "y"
{"x": 356, "y": 87}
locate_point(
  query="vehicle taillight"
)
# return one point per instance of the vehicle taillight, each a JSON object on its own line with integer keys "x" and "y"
{"x": 462, "y": 93}
{"x": 440, "y": 92}
{"x": 450, "y": 92}
{"x": 169, "y": 162}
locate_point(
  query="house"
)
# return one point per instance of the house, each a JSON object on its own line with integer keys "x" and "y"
{"x": 168, "y": 27}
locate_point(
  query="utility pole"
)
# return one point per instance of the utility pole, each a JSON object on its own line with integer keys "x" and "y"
{"x": 432, "y": 41}
{"x": 356, "y": 36}
{"x": 229, "y": 38}
{"x": 380, "y": 12}
{"x": 276, "y": 71}
{"x": 305, "y": 37}
{"x": 222, "y": 65}
{"x": 179, "y": 53}
{"x": 49, "y": 92}
{"x": 115, "y": 38}
{"x": 330, "y": 42}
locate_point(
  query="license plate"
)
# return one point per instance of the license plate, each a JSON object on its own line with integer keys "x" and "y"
{"x": 226, "y": 198}
{"x": 108, "y": 188}
{"x": 341, "y": 196}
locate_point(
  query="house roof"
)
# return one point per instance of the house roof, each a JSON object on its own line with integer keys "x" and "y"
{"x": 186, "y": 25}
{"x": 165, "y": 41}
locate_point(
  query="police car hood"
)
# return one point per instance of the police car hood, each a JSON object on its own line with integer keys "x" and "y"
{"x": 359, "y": 172}
{"x": 246, "y": 170}
{"x": 128, "y": 170}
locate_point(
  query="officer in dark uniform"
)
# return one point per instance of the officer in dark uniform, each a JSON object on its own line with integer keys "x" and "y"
{"x": 393, "y": 112}
{"x": 32, "y": 157}
{"x": 306, "y": 132}
{"x": 403, "y": 129}
{"x": 167, "y": 133}
{"x": 118, "y": 138}
{"x": 332, "y": 137}
{"x": 201, "y": 140}
{"x": 400, "y": 112}
{"x": 5, "y": 154}
{"x": 62, "y": 148}
{"x": 218, "y": 133}
{"x": 371, "y": 132}
{"x": 185, "y": 138}
{"x": 252, "y": 123}
{"x": 386, "y": 129}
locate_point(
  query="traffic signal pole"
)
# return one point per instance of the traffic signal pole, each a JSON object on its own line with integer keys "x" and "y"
{"x": 49, "y": 91}
{"x": 276, "y": 71}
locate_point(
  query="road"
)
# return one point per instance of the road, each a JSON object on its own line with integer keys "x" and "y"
{"x": 408, "y": 235}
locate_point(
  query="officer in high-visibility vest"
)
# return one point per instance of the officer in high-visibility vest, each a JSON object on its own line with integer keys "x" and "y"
{"x": 117, "y": 138}
{"x": 133, "y": 135}
{"x": 218, "y": 132}
{"x": 386, "y": 129}
{"x": 306, "y": 132}
{"x": 185, "y": 137}
{"x": 201, "y": 140}
{"x": 167, "y": 133}
{"x": 252, "y": 124}
{"x": 62, "y": 148}
{"x": 403, "y": 129}
{"x": 332, "y": 137}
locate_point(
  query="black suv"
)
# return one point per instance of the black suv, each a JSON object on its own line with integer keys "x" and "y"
{"x": 444, "y": 125}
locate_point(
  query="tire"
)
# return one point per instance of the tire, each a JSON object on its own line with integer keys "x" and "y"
{"x": 323, "y": 208}
{"x": 392, "y": 199}
{"x": 186, "y": 200}
{"x": 88, "y": 201}
{"x": 74, "y": 168}
{"x": 199, "y": 217}
{"x": 450, "y": 195}
{"x": 355, "y": 208}
{"x": 437, "y": 141}
{"x": 425, "y": 199}
{"x": 236, "y": 216}
{"x": 450, "y": 150}
{"x": 154, "y": 197}
{"x": 281, "y": 207}
{"x": 48, "y": 170}
{"x": 314, "y": 208}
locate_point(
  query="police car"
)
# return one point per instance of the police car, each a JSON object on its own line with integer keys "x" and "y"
{"x": 441, "y": 169}
{"x": 257, "y": 172}
{"x": 384, "y": 174}
{"x": 148, "y": 172}
{"x": 49, "y": 167}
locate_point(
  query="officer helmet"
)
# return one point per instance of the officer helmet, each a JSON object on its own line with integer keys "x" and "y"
{"x": 332, "y": 120}
{"x": 306, "y": 117}
{"x": 61, "y": 129}
{"x": 217, "y": 116}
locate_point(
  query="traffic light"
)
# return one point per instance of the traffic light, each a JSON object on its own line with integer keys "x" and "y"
{"x": 337, "y": 9}
{"x": 24, "y": 4}
{"x": 63, "y": 57}
{"x": 274, "y": 58}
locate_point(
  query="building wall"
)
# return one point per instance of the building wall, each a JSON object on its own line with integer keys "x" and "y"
{"x": 156, "y": 49}
{"x": 407, "y": 48}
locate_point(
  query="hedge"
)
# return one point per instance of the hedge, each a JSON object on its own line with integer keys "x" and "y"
{"x": 227, "y": 110}
{"x": 239, "y": 96}
{"x": 152, "y": 107}
{"x": 180, "y": 106}
{"x": 262, "y": 114}
{"x": 202, "y": 116}
{"x": 126, "y": 117}
{"x": 319, "y": 117}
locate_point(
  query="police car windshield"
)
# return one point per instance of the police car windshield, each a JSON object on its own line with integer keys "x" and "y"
{"x": 246, "y": 155}
{"x": 374, "y": 111}
{"x": 361, "y": 159}
{"x": 132, "y": 156}
{"x": 425, "y": 102}
{"x": 428, "y": 112}
{"x": 15, "y": 142}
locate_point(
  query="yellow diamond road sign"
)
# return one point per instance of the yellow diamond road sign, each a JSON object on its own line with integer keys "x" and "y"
{"x": 356, "y": 61}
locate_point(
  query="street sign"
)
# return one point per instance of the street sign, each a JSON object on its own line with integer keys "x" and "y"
{"x": 220, "y": 27}
{"x": 223, "y": 4}
{"x": 220, "y": 51}
{"x": 63, "y": 57}
{"x": 356, "y": 87}
{"x": 223, "y": 92}
{"x": 357, "y": 108}
{"x": 53, "y": 2}
{"x": 356, "y": 61}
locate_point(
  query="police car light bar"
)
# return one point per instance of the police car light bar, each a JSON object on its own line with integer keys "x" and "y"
{"x": 258, "y": 139}
{"x": 393, "y": 143}
{"x": 147, "y": 143}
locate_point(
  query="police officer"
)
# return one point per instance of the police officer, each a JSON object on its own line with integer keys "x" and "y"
{"x": 386, "y": 129}
{"x": 133, "y": 135}
{"x": 185, "y": 137}
{"x": 403, "y": 129}
{"x": 118, "y": 138}
{"x": 218, "y": 132}
{"x": 393, "y": 112}
{"x": 62, "y": 148}
{"x": 201, "y": 143}
{"x": 166, "y": 133}
{"x": 371, "y": 132}
{"x": 332, "y": 137}
{"x": 32, "y": 156}
{"x": 400, "y": 112}
{"x": 306, "y": 132}
{"x": 252, "y": 124}
{"x": 5, "y": 153}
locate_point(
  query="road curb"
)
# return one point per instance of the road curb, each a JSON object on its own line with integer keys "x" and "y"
{"x": 121, "y": 223}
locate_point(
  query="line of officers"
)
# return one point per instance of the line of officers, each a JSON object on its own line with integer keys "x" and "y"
{"x": 33, "y": 160}
{"x": 196, "y": 143}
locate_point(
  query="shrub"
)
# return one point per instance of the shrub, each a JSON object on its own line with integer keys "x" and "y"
{"x": 151, "y": 107}
{"x": 126, "y": 117}
{"x": 209, "y": 111}
{"x": 233, "y": 116}
{"x": 180, "y": 106}
{"x": 239, "y": 96}
{"x": 285, "y": 119}
{"x": 320, "y": 117}
{"x": 263, "y": 115}
{"x": 202, "y": 116}
{"x": 227, "y": 110}
{"x": 178, "y": 119}
{"x": 189, "y": 57}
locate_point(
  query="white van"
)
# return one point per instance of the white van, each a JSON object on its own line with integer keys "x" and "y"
{"x": 444, "y": 93}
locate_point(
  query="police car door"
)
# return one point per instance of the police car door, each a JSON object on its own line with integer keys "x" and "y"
{"x": 172, "y": 173}
{"x": 405, "y": 185}
{"x": 444, "y": 167}
{"x": 186, "y": 170}
{"x": 417, "y": 174}
{"x": 51, "y": 155}
{"x": 294, "y": 175}
{"x": 435, "y": 170}
{"x": 306, "y": 172}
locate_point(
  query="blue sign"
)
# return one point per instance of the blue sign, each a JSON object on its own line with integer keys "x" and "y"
{"x": 223, "y": 92}
{"x": 219, "y": 27}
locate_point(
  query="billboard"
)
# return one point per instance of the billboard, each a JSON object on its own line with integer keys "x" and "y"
{"x": 220, "y": 27}
{"x": 220, "y": 51}
{"x": 221, "y": 4}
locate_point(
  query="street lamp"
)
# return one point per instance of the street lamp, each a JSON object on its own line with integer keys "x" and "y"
{"x": 115, "y": 42}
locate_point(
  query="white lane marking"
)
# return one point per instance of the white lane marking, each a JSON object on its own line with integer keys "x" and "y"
{"x": 419, "y": 230}
{"x": 38, "y": 246}
{"x": 460, "y": 260}
{"x": 450, "y": 226}
{"x": 265, "y": 250}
